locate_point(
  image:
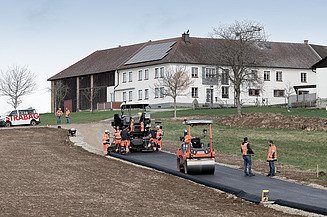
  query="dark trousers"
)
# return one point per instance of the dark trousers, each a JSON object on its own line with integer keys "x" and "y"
{"x": 271, "y": 168}
{"x": 247, "y": 164}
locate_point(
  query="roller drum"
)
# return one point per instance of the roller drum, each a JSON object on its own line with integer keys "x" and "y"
{"x": 200, "y": 166}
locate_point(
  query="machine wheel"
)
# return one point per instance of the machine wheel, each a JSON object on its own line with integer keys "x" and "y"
{"x": 7, "y": 124}
{"x": 33, "y": 123}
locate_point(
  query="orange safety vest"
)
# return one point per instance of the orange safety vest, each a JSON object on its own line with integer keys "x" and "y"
{"x": 117, "y": 135}
{"x": 244, "y": 148}
{"x": 131, "y": 125}
{"x": 105, "y": 138}
{"x": 159, "y": 133}
{"x": 142, "y": 126}
{"x": 187, "y": 139}
{"x": 67, "y": 113}
{"x": 59, "y": 113}
{"x": 272, "y": 154}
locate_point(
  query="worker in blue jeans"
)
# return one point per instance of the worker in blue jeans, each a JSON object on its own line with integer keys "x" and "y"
{"x": 247, "y": 152}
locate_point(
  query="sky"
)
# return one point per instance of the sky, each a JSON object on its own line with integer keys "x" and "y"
{"x": 47, "y": 36}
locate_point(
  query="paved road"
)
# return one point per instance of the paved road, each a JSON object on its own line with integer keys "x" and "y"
{"x": 287, "y": 193}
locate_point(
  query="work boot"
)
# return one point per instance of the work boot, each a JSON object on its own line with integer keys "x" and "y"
{"x": 251, "y": 174}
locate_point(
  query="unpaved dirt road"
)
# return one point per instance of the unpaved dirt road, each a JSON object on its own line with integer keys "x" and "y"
{"x": 44, "y": 174}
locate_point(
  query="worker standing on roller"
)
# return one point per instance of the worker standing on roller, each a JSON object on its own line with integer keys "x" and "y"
{"x": 105, "y": 141}
{"x": 131, "y": 125}
{"x": 247, "y": 152}
{"x": 117, "y": 138}
{"x": 271, "y": 158}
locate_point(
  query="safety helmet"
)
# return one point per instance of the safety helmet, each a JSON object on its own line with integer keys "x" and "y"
{"x": 106, "y": 131}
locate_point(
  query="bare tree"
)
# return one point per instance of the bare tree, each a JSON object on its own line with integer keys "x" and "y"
{"x": 59, "y": 91}
{"x": 243, "y": 48}
{"x": 289, "y": 90}
{"x": 175, "y": 83}
{"x": 90, "y": 94}
{"x": 16, "y": 83}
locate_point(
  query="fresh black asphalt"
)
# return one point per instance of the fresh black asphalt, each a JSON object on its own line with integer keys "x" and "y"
{"x": 233, "y": 181}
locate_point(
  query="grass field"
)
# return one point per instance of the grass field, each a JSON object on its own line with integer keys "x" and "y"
{"x": 78, "y": 117}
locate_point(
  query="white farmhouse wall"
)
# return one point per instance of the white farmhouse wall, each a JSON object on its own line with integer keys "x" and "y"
{"x": 321, "y": 83}
{"x": 289, "y": 77}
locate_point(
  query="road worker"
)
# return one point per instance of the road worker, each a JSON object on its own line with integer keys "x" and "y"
{"x": 67, "y": 115}
{"x": 105, "y": 141}
{"x": 187, "y": 137}
{"x": 246, "y": 154}
{"x": 117, "y": 138}
{"x": 59, "y": 113}
{"x": 159, "y": 135}
{"x": 271, "y": 158}
{"x": 142, "y": 126}
{"x": 125, "y": 139}
{"x": 131, "y": 125}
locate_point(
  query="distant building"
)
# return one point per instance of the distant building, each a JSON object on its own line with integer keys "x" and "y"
{"x": 321, "y": 73}
{"x": 128, "y": 73}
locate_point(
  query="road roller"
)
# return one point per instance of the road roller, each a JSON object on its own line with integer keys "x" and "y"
{"x": 196, "y": 155}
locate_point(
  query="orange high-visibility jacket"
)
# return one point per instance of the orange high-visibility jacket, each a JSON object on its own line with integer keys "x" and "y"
{"x": 272, "y": 153}
{"x": 159, "y": 133}
{"x": 131, "y": 125}
{"x": 142, "y": 126}
{"x": 187, "y": 139}
{"x": 117, "y": 135}
{"x": 105, "y": 137}
{"x": 67, "y": 113}
{"x": 244, "y": 148}
{"x": 59, "y": 113}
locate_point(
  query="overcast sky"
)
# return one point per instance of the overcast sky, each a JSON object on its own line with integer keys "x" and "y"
{"x": 47, "y": 36}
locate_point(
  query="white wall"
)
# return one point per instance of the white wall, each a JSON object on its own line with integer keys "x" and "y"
{"x": 290, "y": 77}
{"x": 321, "y": 83}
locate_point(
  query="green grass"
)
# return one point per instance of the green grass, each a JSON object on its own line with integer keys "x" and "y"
{"x": 78, "y": 117}
{"x": 322, "y": 113}
{"x": 294, "y": 147}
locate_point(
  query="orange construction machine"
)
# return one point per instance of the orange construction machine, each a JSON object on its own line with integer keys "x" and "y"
{"x": 193, "y": 156}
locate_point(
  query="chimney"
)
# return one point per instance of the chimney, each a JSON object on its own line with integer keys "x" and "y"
{"x": 306, "y": 41}
{"x": 186, "y": 37}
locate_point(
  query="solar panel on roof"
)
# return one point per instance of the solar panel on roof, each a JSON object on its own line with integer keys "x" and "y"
{"x": 151, "y": 52}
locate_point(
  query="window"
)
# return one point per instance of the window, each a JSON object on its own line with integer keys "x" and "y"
{"x": 195, "y": 92}
{"x": 156, "y": 92}
{"x": 130, "y": 76}
{"x": 124, "y": 96}
{"x": 210, "y": 72}
{"x": 254, "y": 75}
{"x": 146, "y": 94}
{"x": 224, "y": 77}
{"x": 130, "y": 95}
{"x": 254, "y": 92}
{"x": 162, "y": 72}
{"x": 279, "y": 93}
{"x": 304, "y": 77}
{"x": 225, "y": 92}
{"x": 140, "y": 94}
{"x": 146, "y": 74}
{"x": 140, "y": 75}
{"x": 195, "y": 72}
{"x": 13, "y": 113}
{"x": 162, "y": 92}
{"x": 266, "y": 75}
{"x": 156, "y": 73}
{"x": 279, "y": 76}
{"x": 124, "y": 77}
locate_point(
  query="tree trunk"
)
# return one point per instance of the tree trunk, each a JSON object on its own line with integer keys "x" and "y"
{"x": 238, "y": 100}
{"x": 175, "y": 116}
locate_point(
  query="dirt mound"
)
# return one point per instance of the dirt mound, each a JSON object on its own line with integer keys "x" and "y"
{"x": 274, "y": 120}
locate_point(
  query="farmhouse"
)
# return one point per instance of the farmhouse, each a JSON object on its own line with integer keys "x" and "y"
{"x": 108, "y": 77}
{"x": 321, "y": 75}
